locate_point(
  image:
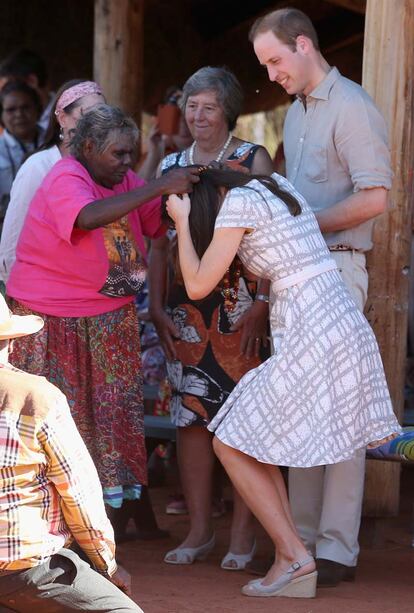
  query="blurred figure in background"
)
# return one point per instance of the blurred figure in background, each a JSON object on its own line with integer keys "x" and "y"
{"x": 20, "y": 109}
{"x": 30, "y": 67}
{"x": 169, "y": 133}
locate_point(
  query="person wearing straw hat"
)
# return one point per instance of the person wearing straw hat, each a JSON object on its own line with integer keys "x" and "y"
{"x": 49, "y": 495}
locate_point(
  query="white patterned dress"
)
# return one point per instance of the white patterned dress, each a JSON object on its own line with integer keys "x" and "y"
{"x": 322, "y": 395}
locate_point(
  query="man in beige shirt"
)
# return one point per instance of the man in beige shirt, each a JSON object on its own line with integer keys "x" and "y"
{"x": 337, "y": 156}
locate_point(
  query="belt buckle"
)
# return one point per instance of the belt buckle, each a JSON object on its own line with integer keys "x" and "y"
{"x": 340, "y": 247}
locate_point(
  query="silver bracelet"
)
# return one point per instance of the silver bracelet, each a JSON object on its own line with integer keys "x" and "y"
{"x": 262, "y": 298}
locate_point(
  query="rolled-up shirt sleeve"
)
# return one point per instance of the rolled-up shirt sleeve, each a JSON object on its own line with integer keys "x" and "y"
{"x": 73, "y": 473}
{"x": 361, "y": 143}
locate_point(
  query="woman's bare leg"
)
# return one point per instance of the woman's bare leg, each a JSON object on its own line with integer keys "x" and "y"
{"x": 242, "y": 527}
{"x": 261, "y": 494}
{"x": 279, "y": 482}
{"x": 196, "y": 462}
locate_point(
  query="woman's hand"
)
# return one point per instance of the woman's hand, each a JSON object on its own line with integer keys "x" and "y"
{"x": 179, "y": 180}
{"x": 167, "y": 332}
{"x": 178, "y": 208}
{"x": 253, "y": 326}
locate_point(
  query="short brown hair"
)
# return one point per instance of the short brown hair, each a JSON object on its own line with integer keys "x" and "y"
{"x": 221, "y": 81}
{"x": 286, "y": 24}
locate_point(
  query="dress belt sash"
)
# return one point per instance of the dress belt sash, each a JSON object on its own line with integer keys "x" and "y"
{"x": 303, "y": 275}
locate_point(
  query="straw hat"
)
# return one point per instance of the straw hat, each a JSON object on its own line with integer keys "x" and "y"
{"x": 13, "y": 326}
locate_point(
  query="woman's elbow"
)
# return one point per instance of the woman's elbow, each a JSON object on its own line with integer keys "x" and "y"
{"x": 84, "y": 222}
{"x": 195, "y": 292}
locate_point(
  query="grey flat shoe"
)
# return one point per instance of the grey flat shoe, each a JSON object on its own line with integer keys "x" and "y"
{"x": 285, "y": 585}
{"x": 239, "y": 559}
{"x": 188, "y": 555}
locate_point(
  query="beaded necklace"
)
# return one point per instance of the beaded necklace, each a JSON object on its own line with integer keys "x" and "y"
{"x": 221, "y": 152}
{"x": 231, "y": 292}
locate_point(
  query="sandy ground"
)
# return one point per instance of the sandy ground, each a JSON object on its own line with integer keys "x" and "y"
{"x": 384, "y": 583}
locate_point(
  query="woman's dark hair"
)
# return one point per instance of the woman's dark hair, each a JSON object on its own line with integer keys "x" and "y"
{"x": 206, "y": 200}
{"x": 20, "y": 86}
{"x": 53, "y": 128}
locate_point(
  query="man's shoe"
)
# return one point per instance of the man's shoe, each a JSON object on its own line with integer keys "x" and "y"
{"x": 330, "y": 573}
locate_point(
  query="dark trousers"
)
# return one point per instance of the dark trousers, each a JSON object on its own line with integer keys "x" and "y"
{"x": 63, "y": 583}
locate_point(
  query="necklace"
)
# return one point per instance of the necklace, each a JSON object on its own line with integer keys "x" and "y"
{"x": 230, "y": 292}
{"x": 221, "y": 152}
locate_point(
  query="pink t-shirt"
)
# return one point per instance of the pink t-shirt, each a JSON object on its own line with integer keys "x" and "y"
{"x": 64, "y": 271}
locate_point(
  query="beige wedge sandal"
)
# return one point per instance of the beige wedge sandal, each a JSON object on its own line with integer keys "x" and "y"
{"x": 285, "y": 585}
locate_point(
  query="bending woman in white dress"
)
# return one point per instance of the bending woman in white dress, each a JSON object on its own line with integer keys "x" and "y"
{"x": 322, "y": 396}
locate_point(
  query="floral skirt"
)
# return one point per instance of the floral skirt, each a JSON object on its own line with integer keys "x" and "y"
{"x": 95, "y": 361}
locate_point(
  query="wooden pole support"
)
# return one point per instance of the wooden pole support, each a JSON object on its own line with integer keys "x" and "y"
{"x": 118, "y": 53}
{"x": 388, "y": 77}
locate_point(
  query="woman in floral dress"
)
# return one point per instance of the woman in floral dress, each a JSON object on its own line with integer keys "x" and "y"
{"x": 209, "y": 344}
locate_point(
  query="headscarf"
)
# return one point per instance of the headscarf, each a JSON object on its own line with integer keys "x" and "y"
{"x": 72, "y": 94}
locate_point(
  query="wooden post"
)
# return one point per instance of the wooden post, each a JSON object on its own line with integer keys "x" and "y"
{"x": 118, "y": 53}
{"x": 388, "y": 77}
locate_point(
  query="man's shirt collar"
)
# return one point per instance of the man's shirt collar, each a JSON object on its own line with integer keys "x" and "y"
{"x": 323, "y": 89}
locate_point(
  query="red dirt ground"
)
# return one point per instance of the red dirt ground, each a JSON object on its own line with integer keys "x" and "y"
{"x": 384, "y": 581}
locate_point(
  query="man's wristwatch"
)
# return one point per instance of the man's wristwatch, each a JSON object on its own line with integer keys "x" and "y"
{"x": 262, "y": 298}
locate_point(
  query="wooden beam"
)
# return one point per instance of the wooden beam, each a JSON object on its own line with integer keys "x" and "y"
{"x": 118, "y": 53}
{"x": 388, "y": 66}
{"x": 342, "y": 44}
{"x": 358, "y": 6}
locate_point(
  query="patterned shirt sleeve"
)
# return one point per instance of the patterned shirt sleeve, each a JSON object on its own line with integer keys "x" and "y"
{"x": 74, "y": 476}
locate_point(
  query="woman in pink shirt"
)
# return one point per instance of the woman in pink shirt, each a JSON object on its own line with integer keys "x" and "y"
{"x": 80, "y": 261}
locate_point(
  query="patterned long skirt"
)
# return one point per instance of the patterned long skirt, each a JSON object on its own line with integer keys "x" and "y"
{"x": 96, "y": 362}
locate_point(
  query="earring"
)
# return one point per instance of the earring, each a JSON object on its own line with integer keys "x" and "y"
{"x": 61, "y": 134}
